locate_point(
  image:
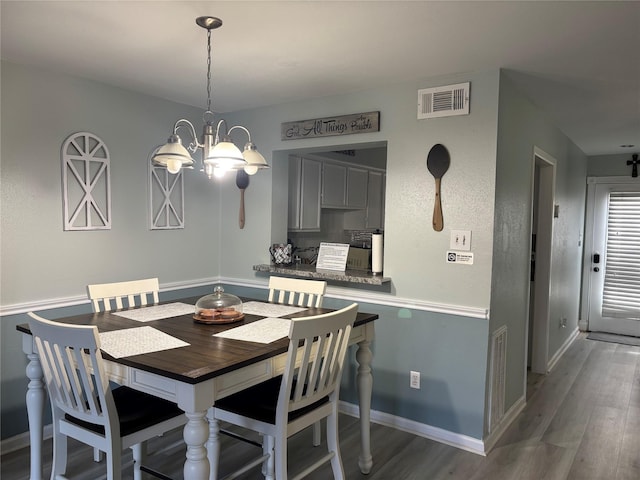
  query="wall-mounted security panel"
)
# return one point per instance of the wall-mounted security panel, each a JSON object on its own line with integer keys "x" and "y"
{"x": 445, "y": 101}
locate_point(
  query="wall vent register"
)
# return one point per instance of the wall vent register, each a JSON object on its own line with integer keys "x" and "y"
{"x": 445, "y": 101}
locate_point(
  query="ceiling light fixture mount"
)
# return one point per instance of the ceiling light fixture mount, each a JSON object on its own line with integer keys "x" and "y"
{"x": 219, "y": 154}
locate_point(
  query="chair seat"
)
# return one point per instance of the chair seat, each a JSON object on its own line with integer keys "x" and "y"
{"x": 260, "y": 401}
{"x": 133, "y": 418}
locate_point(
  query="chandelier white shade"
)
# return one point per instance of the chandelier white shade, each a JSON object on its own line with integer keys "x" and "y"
{"x": 173, "y": 155}
{"x": 219, "y": 153}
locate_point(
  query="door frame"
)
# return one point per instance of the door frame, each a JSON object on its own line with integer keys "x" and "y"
{"x": 544, "y": 245}
{"x": 589, "y": 226}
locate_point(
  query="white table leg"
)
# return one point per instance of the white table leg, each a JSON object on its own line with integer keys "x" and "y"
{"x": 35, "y": 411}
{"x": 196, "y": 432}
{"x": 213, "y": 445}
{"x": 365, "y": 387}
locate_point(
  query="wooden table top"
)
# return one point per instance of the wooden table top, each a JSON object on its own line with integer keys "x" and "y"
{"x": 206, "y": 356}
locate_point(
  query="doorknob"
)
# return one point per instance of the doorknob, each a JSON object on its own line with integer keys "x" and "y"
{"x": 596, "y": 269}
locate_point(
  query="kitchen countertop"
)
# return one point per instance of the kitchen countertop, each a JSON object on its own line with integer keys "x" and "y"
{"x": 310, "y": 271}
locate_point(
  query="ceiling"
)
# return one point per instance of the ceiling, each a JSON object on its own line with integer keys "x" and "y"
{"x": 578, "y": 61}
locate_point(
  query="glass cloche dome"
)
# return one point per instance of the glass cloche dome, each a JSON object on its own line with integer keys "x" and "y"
{"x": 218, "y": 307}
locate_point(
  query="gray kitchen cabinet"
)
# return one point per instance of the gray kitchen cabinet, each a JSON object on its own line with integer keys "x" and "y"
{"x": 334, "y": 185}
{"x": 375, "y": 200}
{"x": 305, "y": 177}
{"x": 344, "y": 186}
{"x": 357, "y": 179}
{"x": 372, "y": 216}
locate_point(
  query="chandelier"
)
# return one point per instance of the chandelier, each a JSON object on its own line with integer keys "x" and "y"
{"x": 219, "y": 153}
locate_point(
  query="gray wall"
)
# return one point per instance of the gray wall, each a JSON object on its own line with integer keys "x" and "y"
{"x": 521, "y": 128}
{"x": 42, "y": 265}
{"x": 414, "y": 253}
{"x": 41, "y": 261}
{"x": 610, "y": 165}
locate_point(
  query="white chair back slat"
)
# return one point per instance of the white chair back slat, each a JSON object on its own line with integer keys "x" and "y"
{"x": 91, "y": 405}
{"x": 305, "y": 353}
{"x": 314, "y": 376}
{"x": 77, "y": 384}
{"x": 57, "y": 383}
{"x": 298, "y": 292}
{"x": 136, "y": 292}
{"x": 335, "y": 367}
{"x": 328, "y": 365}
{"x": 320, "y": 359}
{"x": 77, "y": 379}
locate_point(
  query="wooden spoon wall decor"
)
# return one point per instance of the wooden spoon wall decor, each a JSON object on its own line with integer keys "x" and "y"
{"x": 242, "y": 181}
{"x": 438, "y": 162}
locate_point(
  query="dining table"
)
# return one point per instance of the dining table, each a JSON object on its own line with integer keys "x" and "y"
{"x": 165, "y": 351}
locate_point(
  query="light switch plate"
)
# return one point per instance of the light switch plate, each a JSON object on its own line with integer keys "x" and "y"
{"x": 460, "y": 240}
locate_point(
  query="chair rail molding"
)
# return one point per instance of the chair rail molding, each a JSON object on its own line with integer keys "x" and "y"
{"x": 332, "y": 292}
{"x": 365, "y": 296}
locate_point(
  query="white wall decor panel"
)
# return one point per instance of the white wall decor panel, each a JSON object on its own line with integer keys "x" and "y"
{"x": 86, "y": 183}
{"x": 166, "y": 199}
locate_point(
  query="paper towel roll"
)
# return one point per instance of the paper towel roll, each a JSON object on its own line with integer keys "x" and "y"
{"x": 376, "y": 253}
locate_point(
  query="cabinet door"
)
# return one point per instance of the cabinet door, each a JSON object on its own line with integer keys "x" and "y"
{"x": 295, "y": 172}
{"x": 310, "y": 195}
{"x": 375, "y": 203}
{"x": 357, "y": 179}
{"x": 334, "y": 185}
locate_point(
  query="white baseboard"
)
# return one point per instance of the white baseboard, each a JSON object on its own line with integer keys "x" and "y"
{"x": 565, "y": 346}
{"x": 457, "y": 440}
{"x": 583, "y": 325}
{"x": 508, "y": 417}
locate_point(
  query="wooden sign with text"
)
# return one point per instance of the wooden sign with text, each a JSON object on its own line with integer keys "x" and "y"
{"x": 330, "y": 126}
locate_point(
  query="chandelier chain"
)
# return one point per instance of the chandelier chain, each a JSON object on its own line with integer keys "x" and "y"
{"x": 208, "y": 70}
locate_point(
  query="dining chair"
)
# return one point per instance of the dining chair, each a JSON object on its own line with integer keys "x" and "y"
{"x": 295, "y": 291}
{"x": 303, "y": 293}
{"x": 116, "y": 292}
{"x": 133, "y": 290}
{"x": 83, "y": 405}
{"x": 306, "y": 393}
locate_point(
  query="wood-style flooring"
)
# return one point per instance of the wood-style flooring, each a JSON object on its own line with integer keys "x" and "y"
{"x": 581, "y": 422}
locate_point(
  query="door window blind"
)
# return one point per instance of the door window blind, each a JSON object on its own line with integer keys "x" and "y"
{"x": 621, "y": 293}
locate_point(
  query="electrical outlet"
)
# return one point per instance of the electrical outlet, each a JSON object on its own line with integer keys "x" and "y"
{"x": 563, "y": 323}
{"x": 414, "y": 381}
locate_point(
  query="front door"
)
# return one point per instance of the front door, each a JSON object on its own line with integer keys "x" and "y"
{"x": 614, "y": 296}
